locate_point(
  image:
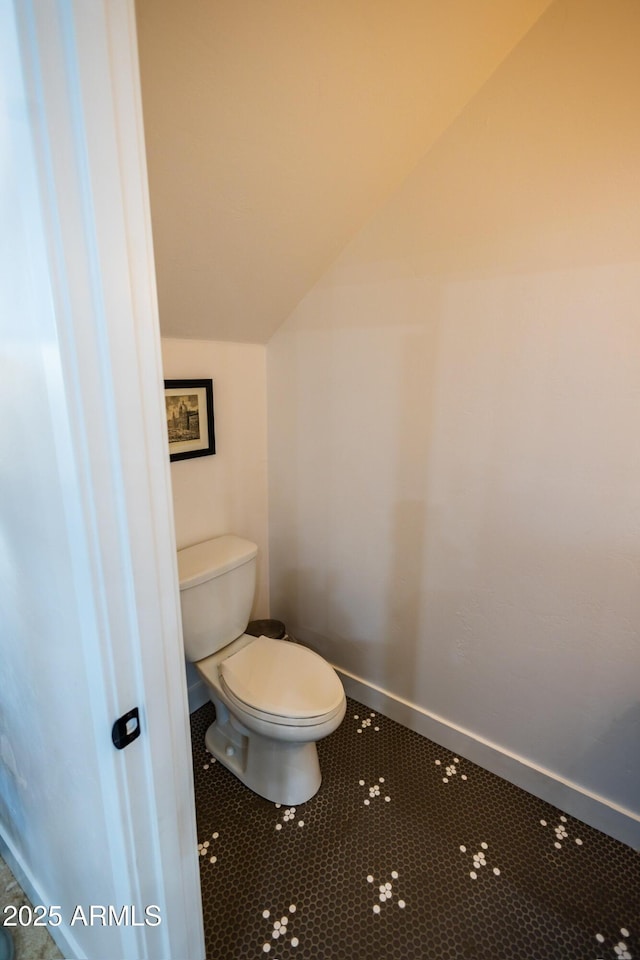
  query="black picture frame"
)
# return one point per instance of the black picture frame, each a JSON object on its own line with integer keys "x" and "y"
{"x": 190, "y": 420}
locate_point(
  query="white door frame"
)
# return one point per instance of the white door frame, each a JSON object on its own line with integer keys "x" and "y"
{"x": 79, "y": 73}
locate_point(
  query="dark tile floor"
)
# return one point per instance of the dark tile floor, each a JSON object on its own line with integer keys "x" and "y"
{"x": 407, "y": 852}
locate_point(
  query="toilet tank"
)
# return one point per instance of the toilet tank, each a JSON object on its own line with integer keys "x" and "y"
{"x": 217, "y": 585}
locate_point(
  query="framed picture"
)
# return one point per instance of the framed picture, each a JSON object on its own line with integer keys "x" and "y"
{"x": 190, "y": 425}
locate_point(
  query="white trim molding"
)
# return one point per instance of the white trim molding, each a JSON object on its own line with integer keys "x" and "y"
{"x": 83, "y": 252}
{"x": 198, "y": 695}
{"x": 569, "y": 797}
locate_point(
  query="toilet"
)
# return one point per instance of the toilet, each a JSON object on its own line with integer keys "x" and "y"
{"x": 274, "y": 699}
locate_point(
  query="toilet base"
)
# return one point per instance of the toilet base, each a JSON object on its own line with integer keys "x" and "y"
{"x": 278, "y": 770}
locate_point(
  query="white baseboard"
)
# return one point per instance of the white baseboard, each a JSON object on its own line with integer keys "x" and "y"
{"x": 198, "y": 695}
{"x": 616, "y": 821}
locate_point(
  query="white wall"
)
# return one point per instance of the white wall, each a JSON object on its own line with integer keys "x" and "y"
{"x": 226, "y": 492}
{"x": 457, "y": 403}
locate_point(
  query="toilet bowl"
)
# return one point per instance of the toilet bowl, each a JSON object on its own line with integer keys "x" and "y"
{"x": 267, "y": 720}
{"x": 273, "y": 699}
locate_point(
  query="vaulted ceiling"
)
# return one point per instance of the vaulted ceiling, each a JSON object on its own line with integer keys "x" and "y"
{"x": 275, "y": 128}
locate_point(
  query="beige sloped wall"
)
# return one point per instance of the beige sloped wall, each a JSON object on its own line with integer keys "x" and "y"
{"x": 457, "y": 404}
{"x": 274, "y": 130}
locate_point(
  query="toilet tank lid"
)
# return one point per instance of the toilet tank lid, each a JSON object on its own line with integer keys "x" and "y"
{"x": 212, "y": 558}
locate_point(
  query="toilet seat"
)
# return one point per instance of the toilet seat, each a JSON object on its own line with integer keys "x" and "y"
{"x": 282, "y": 682}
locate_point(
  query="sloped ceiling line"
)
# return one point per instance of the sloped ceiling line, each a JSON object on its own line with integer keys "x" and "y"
{"x": 274, "y": 130}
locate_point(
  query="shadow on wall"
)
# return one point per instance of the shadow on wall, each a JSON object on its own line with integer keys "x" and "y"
{"x": 405, "y": 625}
{"x": 406, "y": 630}
{"x": 361, "y": 604}
{"x": 614, "y": 755}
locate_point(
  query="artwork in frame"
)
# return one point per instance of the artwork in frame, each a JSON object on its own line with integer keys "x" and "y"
{"x": 190, "y": 424}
